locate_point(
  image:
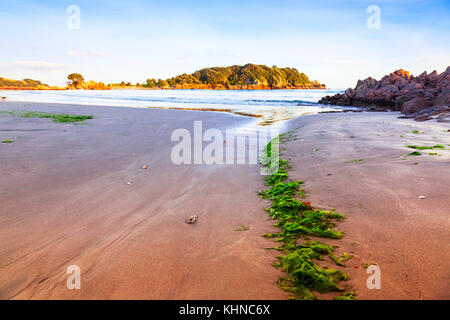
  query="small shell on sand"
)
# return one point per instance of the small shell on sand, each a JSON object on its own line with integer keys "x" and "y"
{"x": 144, "y": 167}
{"x": 191, "y": 219}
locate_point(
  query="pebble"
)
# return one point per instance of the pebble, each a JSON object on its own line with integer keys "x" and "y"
{"x": 191, "y": 219}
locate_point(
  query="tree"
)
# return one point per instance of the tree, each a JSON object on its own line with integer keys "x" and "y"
{"x": 150, "y": 83}
{"x": 162, "y": 83}
{"x": 76, "y": 78}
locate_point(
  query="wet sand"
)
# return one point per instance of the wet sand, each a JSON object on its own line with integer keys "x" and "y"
{"x": 65, "y": 201}
{"x": 387, "y": 224}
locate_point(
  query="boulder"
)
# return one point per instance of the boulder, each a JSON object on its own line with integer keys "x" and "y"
{"x": 443, "y": 99}
{"x": 415, "y": 105}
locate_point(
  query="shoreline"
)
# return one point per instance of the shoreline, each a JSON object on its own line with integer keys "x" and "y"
{"x": 211, "y": 87}
{"x": 67, "y": 201}
{"x": 266, "y": 112}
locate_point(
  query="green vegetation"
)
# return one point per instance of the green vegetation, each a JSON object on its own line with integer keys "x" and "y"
{"x": 56, "y": 117}
{"x": 415, "y": 153}
{"x": 416, "y": 132}
{"x": 25, "y": 83}
{"x": 346, "y": 296}
{"x": 418, "y": 147}
{"x": 242, "y": 228}
{"x": 261, "y": 76}
{"x": 76, "y": 79}
{"x": 433, "y": 153}
{"x": 412, "y": 146}
{"x": 356, "y": 160}
{"x": 249, "y": 74}
{"x": 298, "y": 220}
{"x": 8, "y": 141}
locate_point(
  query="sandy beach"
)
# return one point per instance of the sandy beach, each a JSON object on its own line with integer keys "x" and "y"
{"x": 387, "y": 223}
{"x": 65, "y": 200}
{"x": 76, "y": 194}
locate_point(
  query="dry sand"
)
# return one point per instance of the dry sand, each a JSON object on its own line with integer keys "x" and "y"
{"x": 387, "y": 223}
{"x": 64, "y": 199}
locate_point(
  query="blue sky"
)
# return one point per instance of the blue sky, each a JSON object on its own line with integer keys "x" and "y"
{"x": 135, "y": 40}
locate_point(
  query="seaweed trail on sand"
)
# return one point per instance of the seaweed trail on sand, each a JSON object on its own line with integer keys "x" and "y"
{"x": 297, "y": 221}
{"x": 56, "y": 117}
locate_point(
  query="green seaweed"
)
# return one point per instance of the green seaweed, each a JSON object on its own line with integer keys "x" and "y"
{"x": 355, "y": 160}
{"x": 418, "y": 147}
{"x": 8, "y": 141}
{"x": 56, "y": 117}
{"x": 346, "y": 296}
{"x": 438, "y": 146}
{"x": 297, "y": 219}
{"x": 415, "y": 153}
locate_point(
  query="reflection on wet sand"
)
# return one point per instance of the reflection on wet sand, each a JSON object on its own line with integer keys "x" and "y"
{"x": 267, "y": 117}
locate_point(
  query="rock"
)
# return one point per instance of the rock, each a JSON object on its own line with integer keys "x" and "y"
{"x": 191, "y": 219}
{"x": 444, "y": 117}
{"x": 422, "y": 117}
{"x": 443, "y": 99}
{"x": 350, "y": 92}
{"x": 415, "y": 105}
{"x": 401, "y": 100}
{"x": 402, "y": 73}
{"x": 422, "y": 78}
{"x": 420, "y": 97}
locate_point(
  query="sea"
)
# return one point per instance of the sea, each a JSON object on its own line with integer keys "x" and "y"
{"x": 267, "y": 106}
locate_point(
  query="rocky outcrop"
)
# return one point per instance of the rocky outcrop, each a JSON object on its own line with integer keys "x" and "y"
{"x": 420, "y": 97}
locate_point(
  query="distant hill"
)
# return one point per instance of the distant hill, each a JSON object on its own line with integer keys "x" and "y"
{"x": 22, "y": 84}
{"x": 250, "y": 76}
